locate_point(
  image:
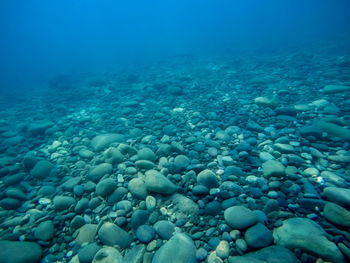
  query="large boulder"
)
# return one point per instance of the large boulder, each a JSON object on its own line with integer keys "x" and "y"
{"x": 19, "y": 252}
{"x": 305, "y": 234}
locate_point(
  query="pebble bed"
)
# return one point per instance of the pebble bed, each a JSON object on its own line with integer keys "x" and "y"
{"x": 237, "y": 158}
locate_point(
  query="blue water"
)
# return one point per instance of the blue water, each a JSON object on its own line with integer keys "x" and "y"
{"x": 40, "y": 39}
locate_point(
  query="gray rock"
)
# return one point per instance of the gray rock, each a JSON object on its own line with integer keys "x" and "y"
{"x": 45, "y": 231}
{"x": 146, "y": 154}
{"x": 164, "y": 229}
{"x": 337, "y": 195}
{"x": 184, "y": 205}
{"x": 87, "y": 253}
{"x": 137, "y": 188}
{"x": 240, "y": 217}
{"x": 258, "y": 236}
{"x": 98, "y": 171}
{"x": 39, "y": 127}
{"x": 63, "y": 202}
{"x": 145, "y": 233}
{"x": 102, "y": 141}
{"x": 19, "y": 252}
{"x": 82, "y": 204}
{"x": 86, "y": 154}
{"x": 273, "y": 168}
{"x": 180, "y": 248}
{"x": 207, "y": 178}
{"x": 144, "y": 164}
{"x": 158, "y": 183}
{"x": 138, "y": 218}
{"x": 223, "y": 249}
{"x": 271, "y": 254}
{"x": 135, "y": 254}
{"x": 333, "y": 129}
{"x": 108, "y": 255}
{"x": 310, "y": 130}
{"x": 336, "y": 214}
{"x": 330, "y": 89}
{"x": 305, "y": 234}
{"x": 111, "y": 235}
{"x": 10, "y": 203}
{"x": 113, "y": 156}
{"x": 270, "y": 102}
{"x": 86, "y": 234}
{"x": 106, "y": 186}
{"x": 42, "y": 169}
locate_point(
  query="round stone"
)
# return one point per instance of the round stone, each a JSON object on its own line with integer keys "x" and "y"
{"x": 42, "y": 169}
{"x": 44, "y": 231}
{"x": 105, "y": 187}
{"x": 240, "y": 217}
{"x": 145, "y": 233}
{"x": 164, "y": 229}
{"x": 207, "y": 178}
{"x": 258, "y": 236}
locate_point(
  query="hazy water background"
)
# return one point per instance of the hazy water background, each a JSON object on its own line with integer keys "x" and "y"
{"x": 41, "y": 39}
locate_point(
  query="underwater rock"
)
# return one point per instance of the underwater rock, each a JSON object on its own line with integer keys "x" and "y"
{"x": 108, "y": 255}
{"x": 180, "y": 248}
{"x": 158, "y": 183}
{"x": 16, "y": 251}
{"x": 330, "y": 89}
{"x": 111, "y": 235}
{"x": 240, "y": 217}
{"x": 336, "y": 214}
{"x": 308, "y": 236}
{"x": 42, "y": 169}
{"x": 270, "y": 102}
{"x": 102, "y": 141}
{"x": 273, "y": 168}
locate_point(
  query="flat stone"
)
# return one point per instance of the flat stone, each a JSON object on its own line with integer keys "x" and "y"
{"x": 135, "y": 254}
{"x": 271, "y": 254}
{"x": 258, "y": 236}
{"x": 45, "y": 231}
{"x": 105, "y": 187}
{"x": 137, "y": 188}
{"x": 331, "y": 89}
{"x": 42, "y": 169}
{"x": 146, "y": 154}
{"x": 158, "y": 183}
{"x": 87, "y": 253}
{"x": 145, "y": 233}
{"x": 164, "y": 229}
{"x": 98, "y": 171}
{"x": 273, "y": 168}
{"x": 19, "y": 252}
{"x": 240, "y": 217}
{"x": 111, "y": 235}
{"x": 336, "y": 214}
{"x": 180, "y": 248}
{"x": 108, "y": 255}
{"x": 63, "y": 202}
{"x": 337, "y": 195}
{"x": 207, "y": 178}
{"x": 85, "y": 234}
{"x": 102, "y": 141}
{"x": 305, "y": 234}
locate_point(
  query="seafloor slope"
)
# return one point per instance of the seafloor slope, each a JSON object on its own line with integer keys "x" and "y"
{"x": 241, "y": 158}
